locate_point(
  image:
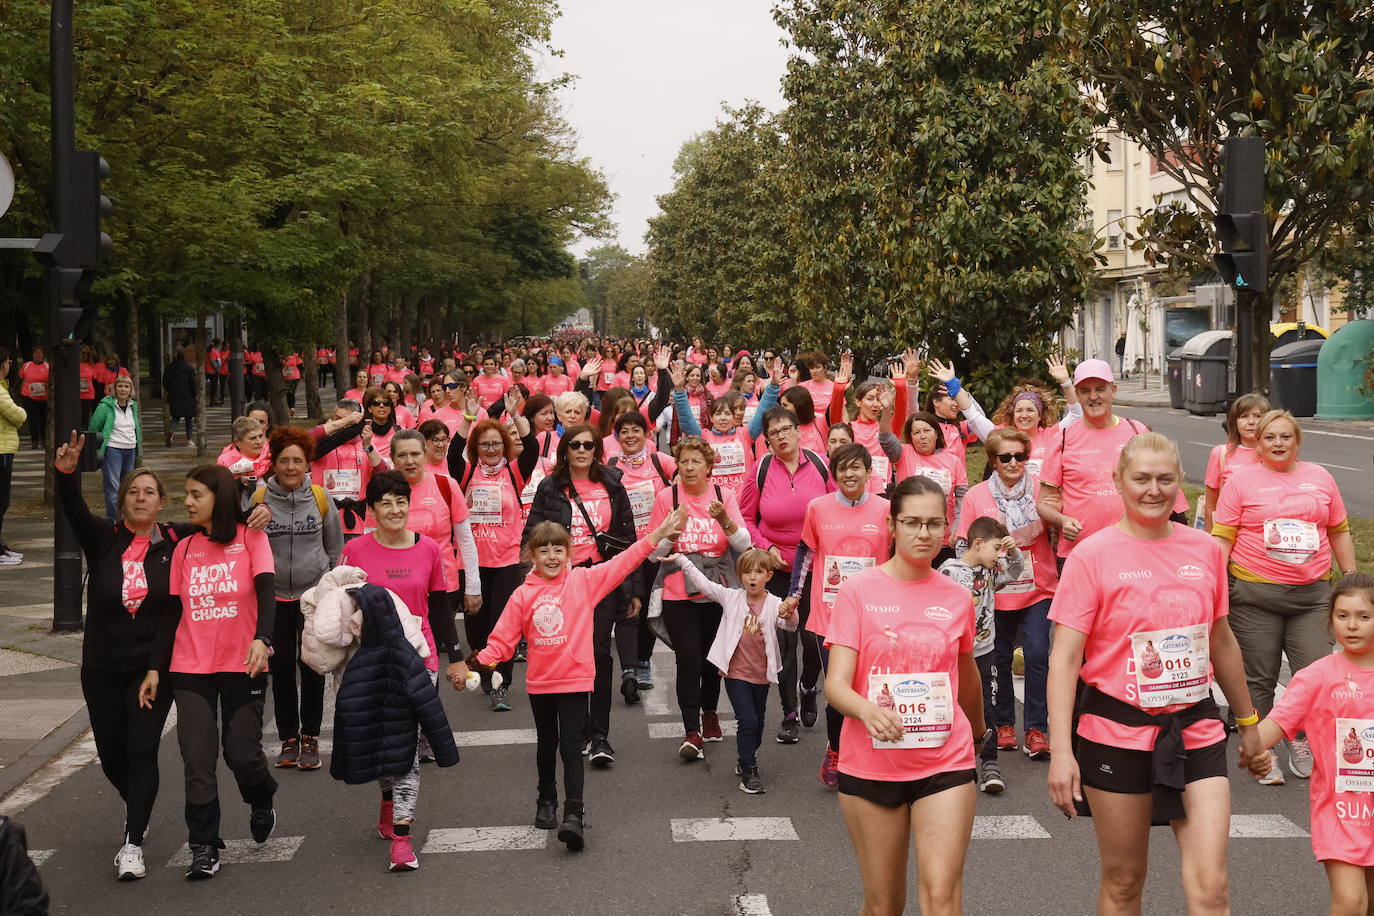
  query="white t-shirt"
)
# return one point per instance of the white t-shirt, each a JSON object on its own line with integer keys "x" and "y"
{"x": 123, "y": 435}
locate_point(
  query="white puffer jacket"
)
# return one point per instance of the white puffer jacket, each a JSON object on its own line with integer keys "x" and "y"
{"x": 333, "y": 622}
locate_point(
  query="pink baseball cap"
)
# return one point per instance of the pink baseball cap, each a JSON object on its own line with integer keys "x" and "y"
{"x": 1093, "y": 369}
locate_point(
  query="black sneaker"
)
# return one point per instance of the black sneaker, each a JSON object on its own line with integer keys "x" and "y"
{"x": 261, "y": 822}
{"x": 546, "y": 813}
{"x": 749, "y": 781}
{"x": 204, "y": 863}
{"x": 601, "y": 754}
{"x": 789, "y": 732}
{"x": 629, "y": 686}
{"x": 808, "y": 706}
{"x": 570, "y": 833}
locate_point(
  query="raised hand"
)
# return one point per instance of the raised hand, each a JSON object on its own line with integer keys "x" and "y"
{"x": 846, "y": 372}
{"x": 591, "y": 367}
{"x": 678, "y": 375}
{"x": 1058, "y": 371}
{"x": 942, "y": 371}
{"x": 68, "y": 453}
{"x": 911, "y": 364}
{"x": 662, "y": 356}
{"x": 775, "y": 373}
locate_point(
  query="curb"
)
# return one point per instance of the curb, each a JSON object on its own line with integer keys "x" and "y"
{"x": 43, "y": 752}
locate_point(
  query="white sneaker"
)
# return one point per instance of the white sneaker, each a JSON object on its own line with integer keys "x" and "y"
{"x": 9, "y": 559}
{"x": 1275, "y": 775}
{"x": 1300, "y": 758}
{"x": 129, "y": 863}
{"x": 5, "y": 548}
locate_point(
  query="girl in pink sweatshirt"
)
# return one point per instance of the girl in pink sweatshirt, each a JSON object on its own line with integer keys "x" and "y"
{"x": 553, "y": 611}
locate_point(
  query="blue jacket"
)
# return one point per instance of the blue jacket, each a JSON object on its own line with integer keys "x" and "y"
{"x": 386, "y": 695}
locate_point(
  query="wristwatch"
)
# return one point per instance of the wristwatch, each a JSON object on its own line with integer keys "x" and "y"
{"x": 265, "y": 640}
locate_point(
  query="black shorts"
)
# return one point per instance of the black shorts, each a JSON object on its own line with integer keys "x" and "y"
{"x": 1113, "y": 769}
{"x": 906, "y": 792}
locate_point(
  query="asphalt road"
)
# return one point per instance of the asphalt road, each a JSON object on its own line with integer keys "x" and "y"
{"x": 1344, "y": 449}
{"x": 644, "y": 855}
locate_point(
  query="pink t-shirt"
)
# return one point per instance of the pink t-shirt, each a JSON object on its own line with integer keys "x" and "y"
{"x": 821, "y": 392}
{"x": 434, "y": 517}
{"x": 945, "y": 467}
{"x": 1333, "y": 701}
{"x": 376, "y": 374}
{"x": 1281, "y": 521}
{"x": 1147, "y": 600}
{"x": 134, "y": 587}
{"x": 845, "y": 540}
{"x": 702, "y": 534}
{"x": 219, "y": 604}
{"x": 344, "y": 474}
{"x": 404, "y": 418}
{"x": 554, "y": 385}
{"x": 35, "y": 381}
{"x": 450, "y": 417}
{"x": 642, "y": 482}
{"x": 240, "y": 465}
{"x": 1221, "y": 467}
{"x": 734, "y": 457}
{"x": 490, "y": 389}
{"x": 1082, "y": 470}
{"x": 496, "y": 515}
{"x": 866, "y": 434}
{"x": 1036, "y": 583}
{"x": 597, "y": 502}
{"x": 903, "y": 629}
{"x": 411, "y": 572}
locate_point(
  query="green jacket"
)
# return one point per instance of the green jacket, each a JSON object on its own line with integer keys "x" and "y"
{"x": 103, "y": 420}
{"x": 12, "y": 416}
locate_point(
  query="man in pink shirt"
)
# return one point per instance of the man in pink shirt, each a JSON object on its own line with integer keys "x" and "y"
{"x": 1077, "y": 493}
{"x": 490, "y": 386}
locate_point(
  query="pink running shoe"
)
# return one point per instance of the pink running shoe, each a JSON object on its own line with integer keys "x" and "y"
{"x": 830, "y": 768}
{"x": 384, "y": 822}
{"x": 403, "y": 855}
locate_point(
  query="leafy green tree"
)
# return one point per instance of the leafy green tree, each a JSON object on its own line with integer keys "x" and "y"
{"x": 935, "y": 179}
{"x": 1180, "y": 77}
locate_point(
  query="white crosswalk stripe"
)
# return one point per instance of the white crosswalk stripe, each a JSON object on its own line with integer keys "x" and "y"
{"x": 728, "y": 728}
{"x": 1008, "y": 827}
{"x": 246, "y": 852}
{"x": 485, "y": 839}
{"x": 713, "y": 829}
{"x": 752, "y": 905}
{"x": 39, "y": 856}
{"x": 495, "y": 737}
{"x": 1264, "y": 826}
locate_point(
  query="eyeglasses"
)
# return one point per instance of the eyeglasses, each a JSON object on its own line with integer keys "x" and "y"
{"x": 1013, "y": 456}
{"x": 491, "y": 446}
{"x": 449, "y": 386}
{"x": 378, "y": 403}
{"x": 914, "y": 525}
{"x": 781, "y": 430}
{"x": 582, "y": 444}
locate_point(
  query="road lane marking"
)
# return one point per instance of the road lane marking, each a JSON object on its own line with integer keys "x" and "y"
{"x": 485, "y": 839}
{"x": 246, "y": 852}
{"x": 1339, "y": 467}
{"x": 1264, "y": 826}
{"x": 496, "y": 737}
{"x": 752, "y": 905}
{"x": 728, "y": 729}
{"x": 39, "y": 856}
{"x": 72, "y": 760}
{"x": 1008, "y": 827}
{"x": 711, "y": 829}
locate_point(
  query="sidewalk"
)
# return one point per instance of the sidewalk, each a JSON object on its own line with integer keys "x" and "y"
{"x": 1142, "y": 391}
{"x": 41, "y": 706}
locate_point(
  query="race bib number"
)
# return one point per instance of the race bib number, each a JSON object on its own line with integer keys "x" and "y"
{"x": 1034, "y": 465}
{"x": 641, "y": 503}
{"x": 376, "y": 378}
{"x": 1025, "y": 584}
{"x": 344, "y": 483}
{"x": 839, "y": 570}
{"x": 291, "y": 372}
{"x": 749, "y": 411}
{"x": 882, "y": 470}
{"x": 1354, "y": 755}
{"x": 1291, "y": 540}
{"x": 38, "y": 390}
{"x": 484, "y": 504}
{"x": 729, "y": 458}
{"x": 608, "y": 378}
{"x": 939, "y": 475}
{"x": 923, "y": 700}
{"x": 85, "y": 385}
{"x": 527, "y": 494}
{"x": 1171, "y": 666}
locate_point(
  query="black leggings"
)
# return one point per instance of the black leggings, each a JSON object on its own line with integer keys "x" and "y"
{"x": 692, "y": 628}
{"x": 127, "y": 739}
{"x": 239, "y": 700}
{"x": 293, "y": 719}
{"x": 778, "y": 585}
{"x": 559, "y": 722}
{"x": 498, "y": 582}
{"x": 38, "y": 421}
{"x": 609, "y": 623}
{"x": 6, "y": 481}
{"x": 833, "y": 720}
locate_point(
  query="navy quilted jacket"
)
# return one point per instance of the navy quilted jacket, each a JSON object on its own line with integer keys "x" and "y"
{"x": 386, "y": 694}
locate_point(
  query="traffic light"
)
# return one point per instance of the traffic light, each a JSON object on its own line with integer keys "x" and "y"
{"x": 91, "y": 243}
{"x": 1241, "y": 226}
{"x": 71, "y": 289}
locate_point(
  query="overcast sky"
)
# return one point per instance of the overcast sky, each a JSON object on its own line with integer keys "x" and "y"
{"x": 651, "y": 74}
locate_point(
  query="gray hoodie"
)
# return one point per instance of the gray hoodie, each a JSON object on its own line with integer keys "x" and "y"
{"x": 304, "y": 546}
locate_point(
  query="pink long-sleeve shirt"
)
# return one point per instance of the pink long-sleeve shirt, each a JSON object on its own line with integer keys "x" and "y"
{"x": 775, "y": 516}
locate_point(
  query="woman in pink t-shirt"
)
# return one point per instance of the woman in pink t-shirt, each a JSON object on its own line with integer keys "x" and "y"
{"x": 924, "y": 452}
{"x": 1332, "y": 701}
{"x": 1281, "y": 523}
{"x": 820, "y": 386}
{"x": 906, "y": 769}
{"x": 34, "y": 389}
{"x": 871, "y": 398}
{"x": 1238, "y": 451}
{"x": 1142, "y": 621}
{"x": 224, "y": 576}
{"x": 438, "y": 511}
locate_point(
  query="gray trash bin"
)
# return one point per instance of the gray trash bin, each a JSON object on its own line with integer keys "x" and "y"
{"x": 1293, "y": 376}
{"x": 1206, "y": 388}
{"x": 1174, "y": 366}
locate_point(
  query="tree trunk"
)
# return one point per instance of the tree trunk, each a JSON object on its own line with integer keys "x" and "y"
{"x": 364, "y": 322}
{"x": 311, "y": 373}
{"x": 276, "y": 387}
{"x": 133, "y": 356}
{"x": 343, "y": 375}
{"x": 202, "y": 445}
{"x": 403, "y": 341}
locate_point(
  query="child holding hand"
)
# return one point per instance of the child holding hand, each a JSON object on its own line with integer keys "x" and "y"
{"x": 745, "y": 648}
{"x": 553, "y": 610}
{"x": 990, "y": 561}
{"x": 1332, "y": 700}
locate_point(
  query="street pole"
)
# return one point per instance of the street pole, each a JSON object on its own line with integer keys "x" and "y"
{"x": 66, "y": 378}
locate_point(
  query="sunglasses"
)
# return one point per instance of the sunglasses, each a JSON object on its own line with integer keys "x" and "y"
{"x": 582, "y": 445}
{"x": 1014, "y": 456}
{"x": 449, "y": 386}
{"x": 378, "y": 403}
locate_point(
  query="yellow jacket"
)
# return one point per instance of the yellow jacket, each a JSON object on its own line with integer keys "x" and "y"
{"x": 12, "y": 416}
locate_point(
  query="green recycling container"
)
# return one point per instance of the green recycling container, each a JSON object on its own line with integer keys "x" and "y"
{"x": 1341, "y": 367}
